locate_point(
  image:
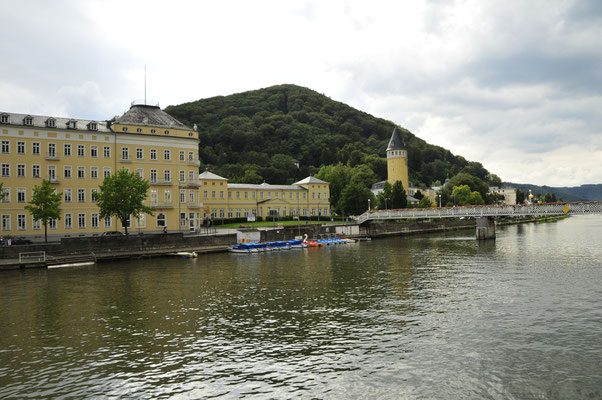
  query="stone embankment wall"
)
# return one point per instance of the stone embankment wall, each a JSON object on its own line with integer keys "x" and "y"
{"x": 120, "y": 244}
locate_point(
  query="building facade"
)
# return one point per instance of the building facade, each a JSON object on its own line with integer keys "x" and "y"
{"x": 309, "y": 197}
{"x": 75, "y": 155}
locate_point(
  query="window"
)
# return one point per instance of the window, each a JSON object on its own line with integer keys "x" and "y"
{"x": 154, "y": 198}
{"x": 52, "y": 173}
{"x": 52, "y": 224}
{"x": 139, "y": 153}
{"x": 35, "y": 170}
{"x": 20, "y": 147}
{"x": 167, "y": 175}
{"x": 94, "y": 220}
{"x": 21, "y": 170}
{"x": 81, "y": 150}
{"x": 191, "y": 176}
{"x": 6, "y": 198}
{"x": 190, "y": 156}
{"x": 94, "y": 172}
{"x": 106, "y": 172}
{"x": 182, "y": 219}
{"x": 106, "y": 151}
{"x": 67, "y": 195}
{"x": 93, "y": 194}
{"x": 93, "y": 126}
{"x": 50, "y": 122}
{"x": 51, "y": 150}
{"x": 139, "y": 130}
{"x": 182, "y": 195}
{"x": 81, "y": 220}
{"x": 108, "y": 222}
{"x": 221, "y": 194}
{"x": 238, "y": 195}
{"x": 153, "y": 176}
{"x": 166, "y": 132}
{"x": 5, "y": 170}
{"x": 35, "y": 148}
{"x": 5, "y": 146}
{"x": 68, "y": 221}
{"x": 167, "y": 155}
{"x": 192, "y": 196}
{"x": 36, "y": 224}
{"x": 67, "y": 171}
{"x": 167, "y": 196}
{"x": 153, "y": 131}
{"x": 153, "y": 154}
{"x": 125, "y": 153}
{"x": 141, "y": 221}
{"x": 28, "y": 120}
{"x": 67, "y": 149}
{"x": 94, "y": 151}
{"x": 21, "y": 195}
{"x": 182, "y": 176}
{"x": 125, "y": 129}
{"x": 161, "y": 222}
{"x": 140, "y": 172}
{"x": 4, "y": 119}
{"x": 213, "y": 194}
{"x": 81, "y": 195}
{"x": 205, "y": 194}
{"x": 81, "y": 172}
{"x": 182, "y": 156}
{"x": 6, "y": 222}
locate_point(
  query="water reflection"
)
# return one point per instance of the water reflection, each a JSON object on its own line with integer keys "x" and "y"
{"x": 441, "y": 316}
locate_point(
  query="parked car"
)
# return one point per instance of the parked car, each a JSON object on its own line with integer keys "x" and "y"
{"x": 112, "y": 234}
{"x": 13, "y": 240}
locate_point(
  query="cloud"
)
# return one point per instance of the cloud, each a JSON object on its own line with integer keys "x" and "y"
{"x": 509, "y": 85}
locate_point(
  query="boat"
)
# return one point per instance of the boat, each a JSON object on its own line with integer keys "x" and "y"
{"x": 186, "y": 254}
{"x": 243, "y": 248}
{"x": 297, "y": 244}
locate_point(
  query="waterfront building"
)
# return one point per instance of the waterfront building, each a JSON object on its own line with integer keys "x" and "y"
{"x": 76, "y": 155}
{"x": 309, "y": 197}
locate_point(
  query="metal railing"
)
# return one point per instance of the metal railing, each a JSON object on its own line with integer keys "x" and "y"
{"x": 32, "y": 256}
{"x": 575, "y": 208}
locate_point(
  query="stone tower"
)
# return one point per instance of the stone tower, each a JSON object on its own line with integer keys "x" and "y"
{"x": 397, "y": 160}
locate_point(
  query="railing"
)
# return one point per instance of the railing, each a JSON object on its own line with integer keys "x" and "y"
{"x": 32, "y": 256}
{"x": 52, "y": 156}
{"x": 160, "y": 182}
{"x": 577, "y": 208}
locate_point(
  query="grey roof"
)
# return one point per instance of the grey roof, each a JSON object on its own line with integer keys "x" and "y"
{"x": 42, "y": 121}
{"x": 263, "y": 186}
{"x": 309, "y": 179}
{"x": 396, "y": 142}
{"x": 147, "y": 115}
{"x": 211, "y": 175}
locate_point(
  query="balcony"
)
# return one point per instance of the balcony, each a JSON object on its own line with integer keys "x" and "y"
{"x": 196, "y": 163}
{"x": 160, "y": 182}
{"x": 53, "y": 179}
{"x": 161, "y": 205}
{"x": 193, "y": 183}
{"x": 125, "y": 160}
{"x": 52, "y": 156}
{"x": 193, "y": 205}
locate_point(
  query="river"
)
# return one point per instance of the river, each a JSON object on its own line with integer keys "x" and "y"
{"x": 423, "y": 317}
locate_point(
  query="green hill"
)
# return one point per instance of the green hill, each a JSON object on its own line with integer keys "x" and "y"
{"x": 283, "y": 133}
{"x": 577, "y": 193}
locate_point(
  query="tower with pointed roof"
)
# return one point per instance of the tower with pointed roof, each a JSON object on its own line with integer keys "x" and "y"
{"x": 397, "y": 160}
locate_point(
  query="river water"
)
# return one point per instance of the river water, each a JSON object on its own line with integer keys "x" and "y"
{"x": 424, "y": 317}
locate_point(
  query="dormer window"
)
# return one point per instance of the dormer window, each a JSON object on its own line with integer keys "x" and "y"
{"x": 153, "y": 131}
{"x": 4, "y": 118}
{"x": 28, "y": 120}
{"x": 139, "y": 130}
{"x": 50, "y": 123}
{"x": 124, "y": 129}
{"x": 92, "y": 126}
{"x": 71, "y": 124}
{"x": 166, "y": 132}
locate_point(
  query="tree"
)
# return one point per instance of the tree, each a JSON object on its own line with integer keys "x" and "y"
{"x": 520, "y": 196}
{"x": 462, "y": 196}
{"x": 383, "y": 200}
{"x": 474, "y": 183}
{"x": 398, "y": 196}
{"x": 45, "y": 205}
{"x": 354, "y": 199}
{"x": 122, "y": 195}
{"x": 424, "y": 203}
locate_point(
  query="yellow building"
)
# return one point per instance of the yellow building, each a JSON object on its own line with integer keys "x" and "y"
{"x": 306, "y": 198}
{"x": 397, "y": 160}
{"x": 75, "y": 155}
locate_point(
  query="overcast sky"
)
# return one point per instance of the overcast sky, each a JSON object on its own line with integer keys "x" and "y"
{"x": 515, "y": 85}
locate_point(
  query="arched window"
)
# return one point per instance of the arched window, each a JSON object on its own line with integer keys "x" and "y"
{"x": 161, "y": 221}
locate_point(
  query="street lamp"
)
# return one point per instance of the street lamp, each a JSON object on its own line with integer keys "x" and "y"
{"x": 368, "y": 204}
{"x": 439, "y": 201}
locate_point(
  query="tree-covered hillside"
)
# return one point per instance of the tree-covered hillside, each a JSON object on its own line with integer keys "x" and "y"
{"x": 264, "y": 134}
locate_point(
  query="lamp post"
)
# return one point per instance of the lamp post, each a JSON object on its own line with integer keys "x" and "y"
{"x": 439, "y": 201}
{"x": 368, "y": 204}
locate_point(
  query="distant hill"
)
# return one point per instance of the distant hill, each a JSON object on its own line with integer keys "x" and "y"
{"x": 579, "y": 193}
{"x": 283, "y": 133}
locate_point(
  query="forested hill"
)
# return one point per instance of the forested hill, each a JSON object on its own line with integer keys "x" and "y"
{"x": 576, "y": 193}
{"x": 263, "y": 134}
